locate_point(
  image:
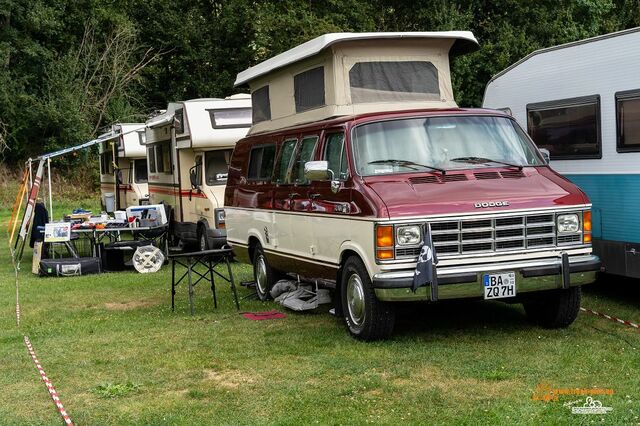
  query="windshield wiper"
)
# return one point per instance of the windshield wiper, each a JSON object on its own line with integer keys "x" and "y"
{"x": 408, "y": 163}
{"x": 485, "y": 160}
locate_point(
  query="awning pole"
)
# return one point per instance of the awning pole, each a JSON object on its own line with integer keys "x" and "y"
{"x": 30, "y": 177}
{"x": 50, "y": 190}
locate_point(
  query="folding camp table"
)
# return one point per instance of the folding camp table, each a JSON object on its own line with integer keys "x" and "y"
{"x": 156, "y": 235}
{"x": 209, "y": 259}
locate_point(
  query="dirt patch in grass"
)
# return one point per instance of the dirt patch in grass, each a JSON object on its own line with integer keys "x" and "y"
{"x": 230, "y": 379}
{"x": 458, "y": 388}
{"x": 125, "y": 306}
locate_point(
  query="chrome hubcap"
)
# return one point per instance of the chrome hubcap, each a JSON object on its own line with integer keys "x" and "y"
{"x": 261, "y": 275}
{"x": 355, "y": 299}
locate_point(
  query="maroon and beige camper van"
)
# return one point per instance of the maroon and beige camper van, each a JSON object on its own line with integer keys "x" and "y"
{"x": 362, "y": 174}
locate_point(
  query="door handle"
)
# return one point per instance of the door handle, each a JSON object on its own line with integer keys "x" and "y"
{"x": 294, "y": 195}
{"x": 314, "y": 196}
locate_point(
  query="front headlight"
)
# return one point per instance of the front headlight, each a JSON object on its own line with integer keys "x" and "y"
{"x": 408, "y": 235}
{"x": 568, "y": 223}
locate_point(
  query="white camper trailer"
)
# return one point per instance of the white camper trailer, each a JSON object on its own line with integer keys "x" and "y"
{"x": 123, "y": 168}
{"x": 188, "y": 150}
{"x": 581, "y": 102}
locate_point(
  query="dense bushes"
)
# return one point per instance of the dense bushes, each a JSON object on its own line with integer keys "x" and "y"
{"x": 69, "y": 67}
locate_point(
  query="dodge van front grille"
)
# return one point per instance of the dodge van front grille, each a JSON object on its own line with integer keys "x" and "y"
{"x": 501, "y": 234}
{"x": 497, "y": 234}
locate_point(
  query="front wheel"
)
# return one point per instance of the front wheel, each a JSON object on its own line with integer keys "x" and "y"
{"x": 555, "y": 309}
{"x": 203, "y": 239}
{"x": 365, "y": 316}
{"x": 263, "y": 275}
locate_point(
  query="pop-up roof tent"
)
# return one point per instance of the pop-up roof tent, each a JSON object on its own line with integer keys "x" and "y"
{"x": 126, "y": 138}
{"x": 352, "y": 73}
{"x": 202, "y": 123}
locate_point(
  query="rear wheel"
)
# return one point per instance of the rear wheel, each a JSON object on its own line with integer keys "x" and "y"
{"x": 365, "y": 316}
{"x": 555, "y": 309}
{"x": 263, "y": 275}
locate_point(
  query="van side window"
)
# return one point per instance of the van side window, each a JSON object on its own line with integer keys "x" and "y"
{"x": 286, "y": 152}
{"x": 198, "y": 169}
{"x": 217, "y": 166}
{"x": 261, "y": 162}
{"x": 628, "y": 121}
{"x": 140, "y": 171}
{"x": 336, "y": 155}
{"x": 568, "y": 128}
{"x": 305, "y": 153}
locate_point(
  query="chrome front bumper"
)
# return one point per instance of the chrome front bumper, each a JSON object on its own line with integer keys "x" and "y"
{"x": 458, "y": 282}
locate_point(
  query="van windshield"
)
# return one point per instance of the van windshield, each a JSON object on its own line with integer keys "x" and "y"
{"x": 441, "y": 143}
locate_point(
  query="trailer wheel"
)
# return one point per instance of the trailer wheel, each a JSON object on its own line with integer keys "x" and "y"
{"x": 263, "y": 274}
{"x": 556, "y": 309}
{"x": 366, "y": 317}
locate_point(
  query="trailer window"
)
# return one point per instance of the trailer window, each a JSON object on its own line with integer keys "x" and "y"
{"x": 569, "y": 129}
{"x": 336, "y": 155}
{"x": 163, "y": 158}
{"x": 217, "y": 166}
{"x": 305, "y": 153}
{"x": 178, "y": 121}
{"x": 261, "y": 105}
{"x": 151, "y": 157}
{"x": 106, "y": 162}
{"x": 140, "y": 171}
{"x": 261, "y": 162}
{"x": 628, "y": 121}
{"x": 309, "y": 89}
{"x": 230, "y": 118}
{"x": 394, "y": 81}
{"x": 284, "y": 161}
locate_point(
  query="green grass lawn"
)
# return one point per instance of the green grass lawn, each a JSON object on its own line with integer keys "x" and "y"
{"x": 118, "y": 355}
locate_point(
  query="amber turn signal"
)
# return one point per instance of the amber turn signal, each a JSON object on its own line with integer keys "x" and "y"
{"x": 384, "y": 236}
{"x": 384, "y": 254}
{"x": 586, "y": 221}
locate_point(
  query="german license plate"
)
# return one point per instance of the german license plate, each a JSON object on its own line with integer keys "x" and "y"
{"x": 498, "y": 286}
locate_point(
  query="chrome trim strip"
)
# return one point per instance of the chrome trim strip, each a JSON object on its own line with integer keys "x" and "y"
{"x": 503, "y": 256}
{"x": 402, "y": 220}
{"x": 484, "y": 267}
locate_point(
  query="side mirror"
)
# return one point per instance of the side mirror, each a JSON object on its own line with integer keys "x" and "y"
{"x": 193, "y": 177}
{"x": 317, "y": 170}
{"x": 545, "y": 154}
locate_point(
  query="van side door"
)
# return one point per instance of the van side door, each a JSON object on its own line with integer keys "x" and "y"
{"x": 284, "y": 193}
{"x": 330, "y": 206}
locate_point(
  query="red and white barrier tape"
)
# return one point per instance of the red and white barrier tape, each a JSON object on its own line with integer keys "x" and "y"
{"x": 610, "y": 318}
{"x": 47, "y": 382}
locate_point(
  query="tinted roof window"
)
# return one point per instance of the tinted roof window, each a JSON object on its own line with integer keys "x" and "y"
{"x": 394, "y": 81}
{"x": 309, "y": 89}
{"x": 261, "y": 105}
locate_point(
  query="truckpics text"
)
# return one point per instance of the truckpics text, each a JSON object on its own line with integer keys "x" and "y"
{"x": 123, "y": 167}
{"x": 188, "y": 150}
{"x": 362, "y": 174}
